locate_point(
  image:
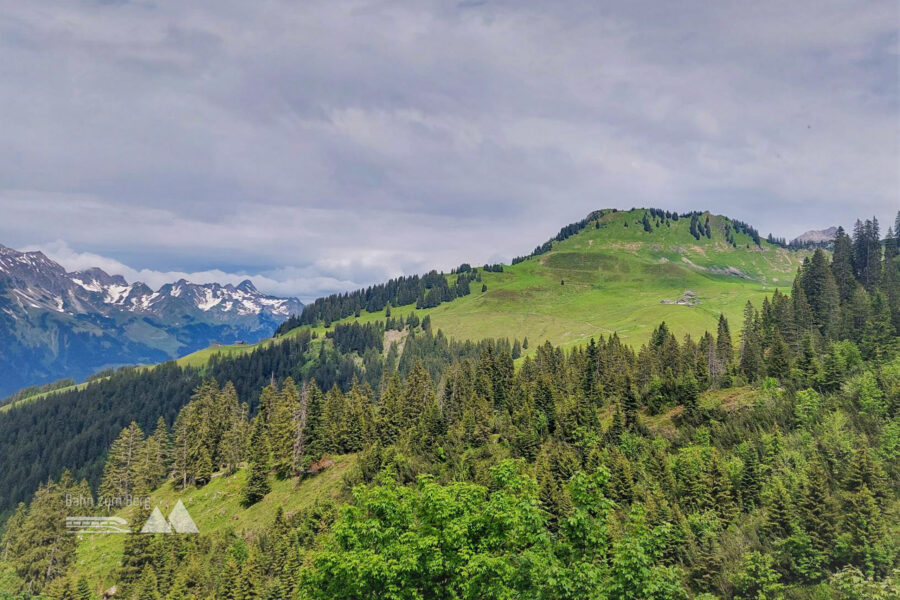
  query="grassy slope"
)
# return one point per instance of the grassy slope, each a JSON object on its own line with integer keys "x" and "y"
{"x": 216, "y": 507}
{"x": 39, "y": 395}
{"x": 615, "y": 278}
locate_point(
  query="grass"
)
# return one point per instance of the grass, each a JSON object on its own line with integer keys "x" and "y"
{"x": 215, "y": 508}
{"x": 39, "y": 395}
{"x": 613, "y": 279}
{"x": 729, "y": 400}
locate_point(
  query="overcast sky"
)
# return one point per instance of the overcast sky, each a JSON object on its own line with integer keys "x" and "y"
{"x": 321, "y": 146}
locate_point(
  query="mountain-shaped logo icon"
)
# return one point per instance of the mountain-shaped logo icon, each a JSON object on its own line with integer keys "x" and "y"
{"x": 179, "y": 521}
{"x": 156, "y": 523}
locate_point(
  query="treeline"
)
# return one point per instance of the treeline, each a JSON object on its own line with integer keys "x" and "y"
{"x": 34, "y": 390}
{"x": 564, "y": 234}
{"x": 426, "y": 291}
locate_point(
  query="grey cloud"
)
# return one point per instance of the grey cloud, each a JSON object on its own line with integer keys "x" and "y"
{"x": 327, "y": 145}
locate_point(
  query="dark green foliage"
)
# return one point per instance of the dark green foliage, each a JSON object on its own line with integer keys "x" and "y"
{"x": 818, "y": 283}
{"x": 598, "y": 472}
{"x": 564, "y": 234}
{"x": 259, "y": 460}
{"x": 77, "y": 427}
{"x": 355, "y": 337}
{"x": 867, "y": 253}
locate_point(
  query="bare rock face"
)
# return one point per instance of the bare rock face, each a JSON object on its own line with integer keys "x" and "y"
{"x": 816, "y": 236}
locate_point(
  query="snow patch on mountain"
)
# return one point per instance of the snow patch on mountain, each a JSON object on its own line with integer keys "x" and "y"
{"x": 93, "y": 286}
{"x": 41, "y": 283}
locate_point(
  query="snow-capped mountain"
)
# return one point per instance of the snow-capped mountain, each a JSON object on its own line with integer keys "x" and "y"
{"x": 55, "y": 323}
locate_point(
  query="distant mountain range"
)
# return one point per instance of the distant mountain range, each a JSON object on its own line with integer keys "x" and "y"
{"x": 815, "y": 236}
{"x": 56, "y": 324}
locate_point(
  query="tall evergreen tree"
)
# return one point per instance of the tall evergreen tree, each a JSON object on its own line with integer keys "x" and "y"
{"x": 751, "y": 360}
{"x": 821, "y": 293}
{"x": 123, "y": 475}
{"x": 282, "y": 428}
{"x": 257, "y": 485}
{"x": 842, "y": 265}
{"x": 778, "y": 361}
{"x": 156, "y": 454}
{"x": 816, "y": 513}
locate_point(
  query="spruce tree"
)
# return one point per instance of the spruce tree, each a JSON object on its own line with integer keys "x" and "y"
{"x": 842, "y": 265}
{"x": 147, "y": 587}
{"x": 879, "y": 340}
{"x": 230, "y": 582}
{"x": 890, "y": 279}
{"x": 821, "y": 293}
{"x": 816, "y": 513}
{"x": 750, "y": 480}
{"x": 778, "y": 363}
{"x": 251, "y": 579}
{"x": 140, "y": 548}
{"x": 83, "y": 590}
{"x": 179, "y": 590}
{"x": 122, "y": 472}
{"x": 778, "y": 520}
{"x": 187, "y": 444}
{"x": 282, "y": 428}
{"x": 751, "y": 361}
{"x": 257, "y": 485}
{"x": 36, "y": 543}
{"x": 157, "y": 451}
{"x": 724, "y": 345}
{"x": 720, "y": 490}
{"x": 865, "y": 526}
{"x": 234, "y": 441}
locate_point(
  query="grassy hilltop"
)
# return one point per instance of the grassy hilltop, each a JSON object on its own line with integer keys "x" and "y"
{"x": 611, "y": 276}
{"x": 614, "y": 276}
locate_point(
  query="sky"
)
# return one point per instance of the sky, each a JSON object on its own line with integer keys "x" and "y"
{"x": 322, "y": 146}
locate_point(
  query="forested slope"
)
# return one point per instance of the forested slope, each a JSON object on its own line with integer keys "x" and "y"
{"x": 759, "y": 464}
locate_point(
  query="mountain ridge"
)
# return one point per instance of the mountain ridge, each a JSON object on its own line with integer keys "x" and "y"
{"x": 816, "y": 236}
{"x": 56, "y": 324}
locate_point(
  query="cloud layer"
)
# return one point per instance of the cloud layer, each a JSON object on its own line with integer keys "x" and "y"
{"x": 321, "y": 146}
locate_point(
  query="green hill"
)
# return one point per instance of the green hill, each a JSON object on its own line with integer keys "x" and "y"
{"x": 609, "y": 275}
{"x": 612, "y": 277}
